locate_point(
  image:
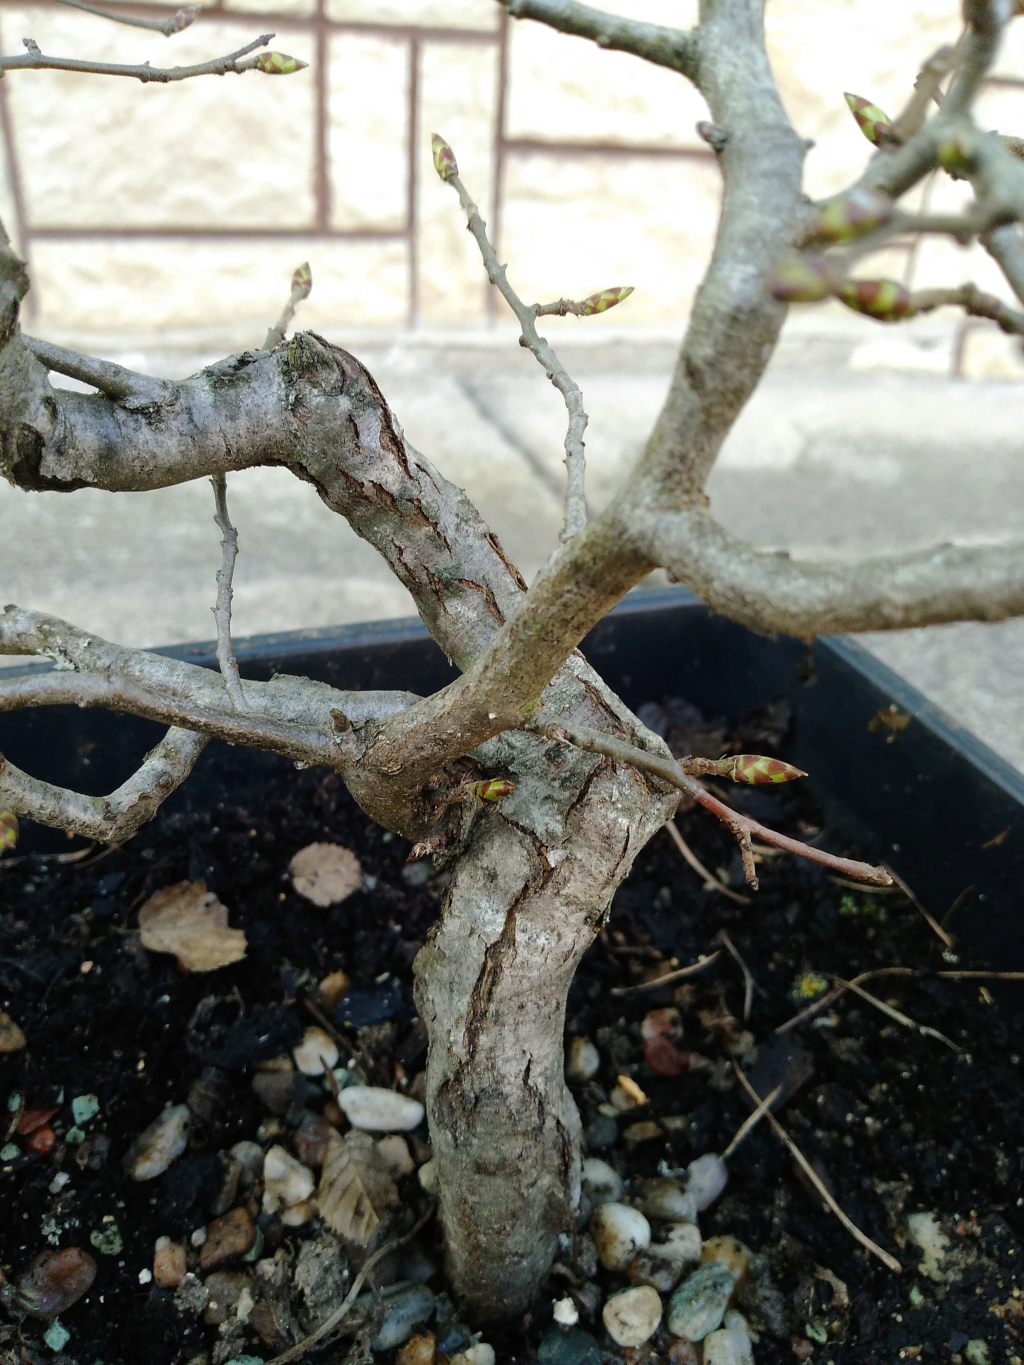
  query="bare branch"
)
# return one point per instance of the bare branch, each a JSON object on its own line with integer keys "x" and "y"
{"x": 526, "y": 316}
{"x": 742, "y": 826}
{"x": 174, "y": 23}
{"x": 110, "y": 819}
{"x": 222, "y": 612}
{"x": 123, "y": 386}
{"x": 806, "y": 598}
{"x": 926, "y": 89}
{"x": 670, "y": 47}
{"x": 270, "y": 63}
{"x": 974, "y": 303}
{"x": 1006, "y": 248}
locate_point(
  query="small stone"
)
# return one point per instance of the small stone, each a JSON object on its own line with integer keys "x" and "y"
{"x": 199, "y": 1237}
{"x": 728, "y": 1347}
{"x": 269, "y": 1129}
{"x": 664, "y": 1058}
{"x": 12, "y": 1037}
{"x": 170, "y": 1263}
{"x": 601, "y": 1182}
{"x": 602, "y": 1132}
{"x": 311, "y": 1139}
{"x": 698, "y": 1305}
{"x": 249, "y": 1156}
{"x": 565, "y": 1312}
{"x": 427, "y": 1176}
{"x": 361, "y": 1008}
{"x": 682, "y": 1353}
{"x": 418, "y": 1350}
{"x": 583, "y": 1061}
{"x": 404, "y": 1310}
{"x": 976, "y": 1352}
{"x": 661, "y": 1275}
{"x": 708, "y": 1178}
{"x": 9, "y": 1151}
{"x": 283, "y": 1092}
{"x": 42, "y": 1141}
{"x": 225, "y": 1288}
{"x": 229, "y": 1236}
{"x": 635, "y": 1133}
{"x": 730, "y": 1252}
{"x": 664, "y": 1200}
{"x": 481, "y": 1353}
{"x": 231, "y": 1175}
{"x": 162, "y": 1142}
{"x": 84, "y": 1108}
{"x": 56, "y": 1336}
{"x": 682, "y": 1244}
{"x": 286, "y": 1182}
{"x": 317, "y": 1052}
{"x": 925, "y": 1231}
{"x": 394, "y": 1151}
{"x": 619, "y": 1232}
{"x": 282, "y": 1062}
{"x": 107, "y": 1237}
{"x": 632, "y": 1316}
{"x": 569, "y": 1346}
{"x": 145, "y": 1275}
{"x": 192, "y": 1296}
{"x": 56, "y": 1280}
{"x": 380, "y": 1111}
{"x": 58, "y": 1182}
{"x": 332, "y": 988}
{"x": 296, "y": 1214}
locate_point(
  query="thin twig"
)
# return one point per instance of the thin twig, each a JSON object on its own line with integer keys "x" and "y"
{"x": 866, "y": 890}
{"x": 710, "y": 883}
{"x": 526, "y": 316}
{"x": 341, "y": 1312}
{"x": 815, "y": 1179}
{"x": 748, "y": 980}
{"x": 931, "y": 921}
{"x": 742, "y": 826}
{"x": 751, "y": 1122}
{"x": 301, "y": 286}
{"x": 896, "y": 1014}
{"x": 174, "y": 23}
{"x": 956, "y": 905}
{"x": 669, "y": 977}
{"x": 218, "y": 66}
{"x": 332, "y": 1032}
{"x": 229, "y": 547}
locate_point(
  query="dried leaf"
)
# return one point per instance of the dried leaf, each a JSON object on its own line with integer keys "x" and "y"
{"x": 189, "y": 921}
{"x": 325, "y": 873}
{"x": 356, "y": 1187}
{"x": 12, "y": 1037}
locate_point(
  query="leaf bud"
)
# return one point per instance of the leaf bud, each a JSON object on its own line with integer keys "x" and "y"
{"x": 184, "y": 18}
{"x": 444, "y": 158}
{"x": 850, "y": 215}
{"x": 493, "y": 789}
{"x": 883, "y": 300}
{"x": 8, "y": 830}
{"x": 801, "y": 279}
{"x": 758, "y": 770}
{"x": 278, "y": 64}
{"x": 955, "y": 155}
{"x": 302, "y": 282}
{"x": 871, "y": 120}
{"x": 607, "y": 298}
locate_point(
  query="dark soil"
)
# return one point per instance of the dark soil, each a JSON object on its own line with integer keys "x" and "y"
{"x": 893, "y": 1121}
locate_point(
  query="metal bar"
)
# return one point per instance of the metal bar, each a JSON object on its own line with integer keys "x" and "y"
{"x": 412, "y": 209}
{"x": 530, "y": 146}
{"x": 321, "y": 172}
{"x": 67, "y": 234}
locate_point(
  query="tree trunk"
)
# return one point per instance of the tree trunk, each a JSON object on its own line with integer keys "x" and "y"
{"x": 526, "y": 899}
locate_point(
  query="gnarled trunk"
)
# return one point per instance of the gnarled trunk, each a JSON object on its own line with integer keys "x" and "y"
{"x": 526, "y": 900}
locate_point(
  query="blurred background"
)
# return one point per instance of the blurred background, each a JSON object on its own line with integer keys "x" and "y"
{"x": 162, "y": 224}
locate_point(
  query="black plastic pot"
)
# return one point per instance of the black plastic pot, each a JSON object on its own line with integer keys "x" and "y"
{"x": 892, "y": 771}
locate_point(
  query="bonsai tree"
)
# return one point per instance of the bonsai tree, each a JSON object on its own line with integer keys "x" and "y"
{"x": 526, "y": 776}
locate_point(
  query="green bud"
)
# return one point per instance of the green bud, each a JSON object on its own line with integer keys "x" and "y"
{"x": 444, "y": 158}
{"x": 8, "y": 830}
{"x": 850, "y": 215}
{"x": 801, "y": 279}
{"x": 278, "y": 64}
{"x": 872, "y": 122}
{"x": 607, "y": 298}
{"x": 494, "y": 789}
{"x": 883, "y": 300}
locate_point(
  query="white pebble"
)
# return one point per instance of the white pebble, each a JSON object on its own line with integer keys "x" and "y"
{"x": 565, "y": 1313}
{"x": 58, "y": 1182}
{"x": 479, "y": 1354}
{"x": 198, "y": 1237}
{"x": 602, "y": 1182}
{"x": 730, "y": 1346}
{"x": 286, "y": 1182}
{"x": 708, "y": 1178}
{"x": 427, "y": 1176}
{"x": 249, "y": 1156}
{"x": 145, "y": 1275}
{"x": 619, "y": 1232}
{"x": 162, "y": 1142}
{"x": 380, "y": 1111}
{"x": 632, "y": 1316}
{"x": 582, "y": 1062}
{"x": 682, "y": 1244}
{"x": 396, "y": 1155}
{"x": 317, "y": 1052}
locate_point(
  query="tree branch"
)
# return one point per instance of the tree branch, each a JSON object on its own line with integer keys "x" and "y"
{"x": 123, "y": 386}
{"x": 222, "y": 612}
{"x": 669, "y": 47}
{"x": 975, "y": 303}
{"x": 741, "y": 826}
{"x": 174, "y": 23}
{"x": 805, "y": 598}
{"x": 270, "y": 63}
{"x": 110, "y": 819}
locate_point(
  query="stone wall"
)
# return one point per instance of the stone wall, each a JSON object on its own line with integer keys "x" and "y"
{"x": 175, "y": 214}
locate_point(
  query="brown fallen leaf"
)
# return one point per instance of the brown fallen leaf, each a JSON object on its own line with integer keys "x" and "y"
{"x": 12, "y": 1037}
{"x": 187, "y": 920}
{"x": 356, "y": 1187}
{"x": 325, "y": 873}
